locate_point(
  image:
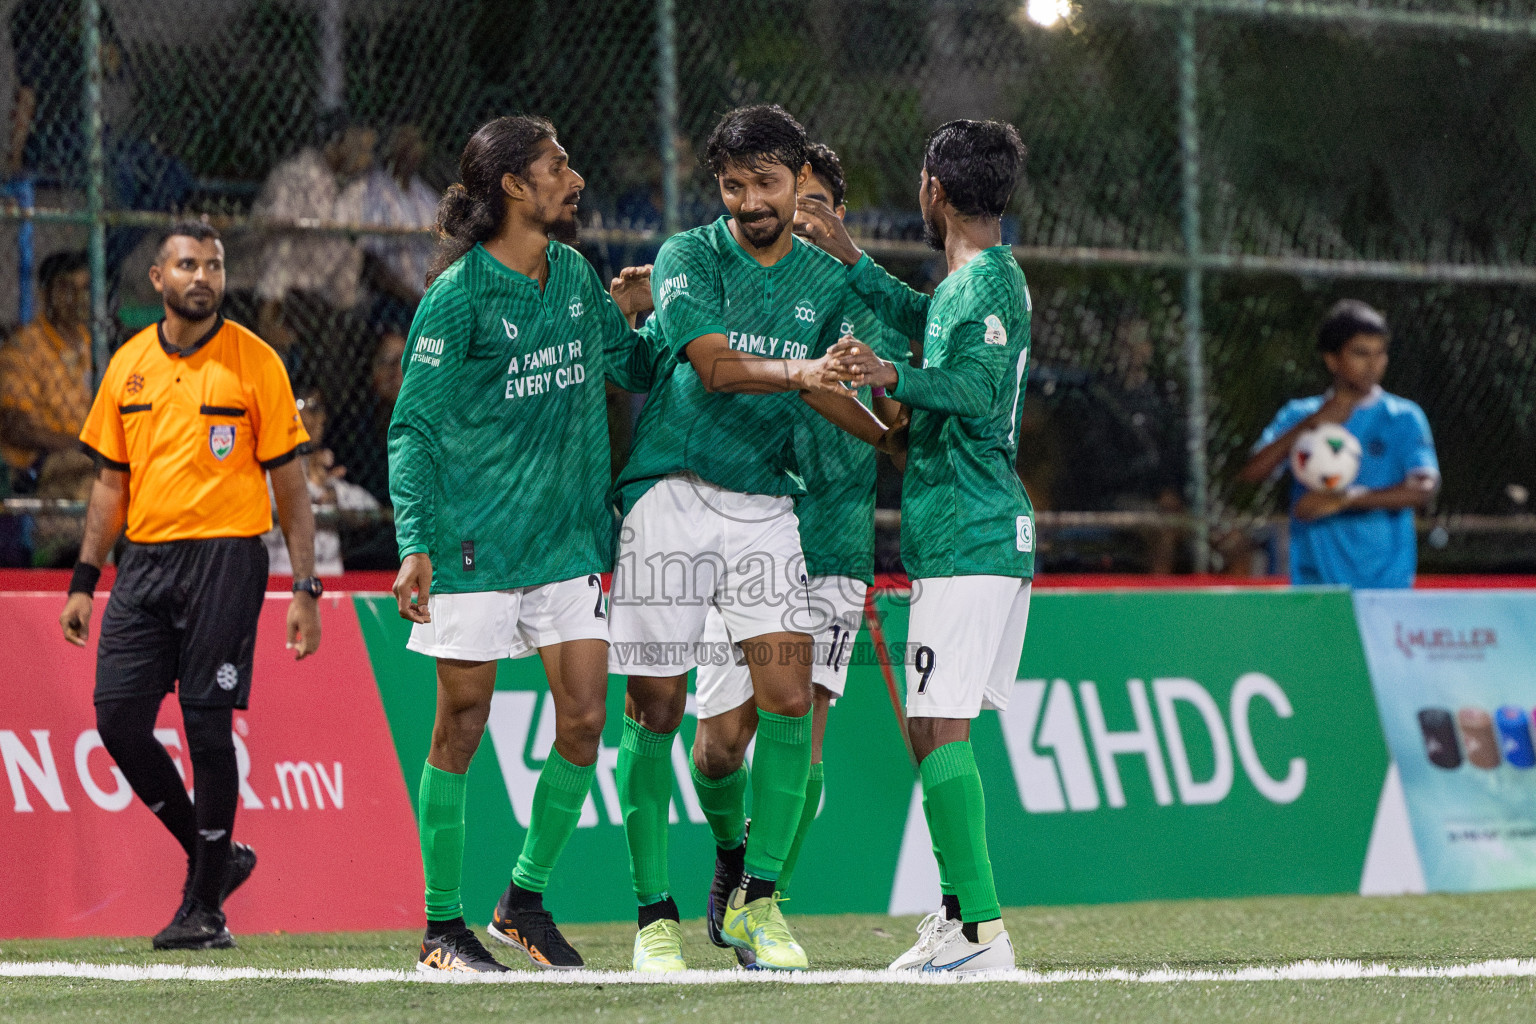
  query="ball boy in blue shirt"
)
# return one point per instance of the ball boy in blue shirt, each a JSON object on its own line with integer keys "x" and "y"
{"x": 1362, "y": 536}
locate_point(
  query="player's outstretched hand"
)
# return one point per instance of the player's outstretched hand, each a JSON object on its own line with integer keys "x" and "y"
{"x": 303, "y": 626}
{"x": 631, "y": 290}
{"x": 856, "y": 363}
{"x": 415, "y": 577}
{"x": 816, "y": 222}
{"x": 821, "y": 375}
{"x": 76, "y": 619}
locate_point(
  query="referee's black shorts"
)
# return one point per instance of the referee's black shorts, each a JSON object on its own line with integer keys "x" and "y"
{"x": 184, "y": 610}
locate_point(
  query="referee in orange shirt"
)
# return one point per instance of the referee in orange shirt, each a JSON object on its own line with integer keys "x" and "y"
{"x": 192, "y": 415}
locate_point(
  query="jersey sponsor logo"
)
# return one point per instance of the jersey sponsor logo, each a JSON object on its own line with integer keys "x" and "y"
{"x": 1025, "y": 530}
{"x": 671, "y": 288}
{"x": 221, "y": 440}
{"x": 537, "y": 380}
{"x": 996, "y": 334}
{"x": 845, "y": 330}
{"x": 428, "y": 350}
{"x": 936, "y": 329}
{"x": 766, "y": 345}
{"x": 510, "y": 328}
{"x": 805, "y": 312}
{"x": 228, "y": 677}
{"x": 577, "y": 309}
{"x": 135, "y": 383}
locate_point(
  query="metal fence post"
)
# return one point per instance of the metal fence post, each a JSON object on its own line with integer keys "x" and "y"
{"x": 95, "y": 184}
{"x": 1194, "y": 290}
{"x": 333, "y": 84}
{"x": 666, "y": 112}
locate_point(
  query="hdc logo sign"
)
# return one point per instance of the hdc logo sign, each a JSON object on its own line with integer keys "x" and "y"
{"x": 1044, "y": 717}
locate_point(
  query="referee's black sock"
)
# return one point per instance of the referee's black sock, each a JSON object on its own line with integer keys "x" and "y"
{"x": 216, "y": 781}
{"x": 127, "y": 729}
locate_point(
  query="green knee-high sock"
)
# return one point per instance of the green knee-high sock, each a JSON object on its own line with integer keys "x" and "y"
{"x": 958, "y": 818}
{"x": 779, "y": 772}
{"x": 724, "y": 802}
{"x": 813, "y": 787}
{"x": 645, "y": 797}
{"x": 945, "y": 887}
{"x": 440, "y": 810}
{"x": 557, "y": 801}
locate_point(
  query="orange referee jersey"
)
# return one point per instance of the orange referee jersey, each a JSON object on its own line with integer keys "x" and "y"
{"x": 195, "y": 431}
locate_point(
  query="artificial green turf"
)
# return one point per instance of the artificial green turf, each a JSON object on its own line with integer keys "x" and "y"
{"x": 1224, "y": 934}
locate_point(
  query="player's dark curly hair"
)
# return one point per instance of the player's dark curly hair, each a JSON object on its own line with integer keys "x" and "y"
{"x": 473, "y": 208}
{"x": 826, "y": 166}
{"x": 754, "y": 137}
{"x": 978, "y": 162}
{"x": 1346, "y": 319}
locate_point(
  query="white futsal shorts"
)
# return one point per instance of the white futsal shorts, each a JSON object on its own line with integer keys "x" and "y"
{"x": 497, "y": 624}
{"x": 965, "y": 636}
{"x": 723, "y": 682}
{"x": 687, "y": 546}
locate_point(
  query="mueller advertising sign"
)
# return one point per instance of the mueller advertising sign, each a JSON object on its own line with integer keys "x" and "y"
{"x": 321, "y": 796}
{"x": 1455, "y": 678}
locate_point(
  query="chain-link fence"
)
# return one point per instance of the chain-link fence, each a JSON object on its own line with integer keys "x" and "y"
{"x": 1205, "y": 178}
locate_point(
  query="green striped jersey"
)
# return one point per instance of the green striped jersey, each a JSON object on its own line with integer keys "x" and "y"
{"x": 498, "y": 448}
{"x": 837, "y": 510}
{"x": 705, "y": 283}
{"x": 963, "y": 510}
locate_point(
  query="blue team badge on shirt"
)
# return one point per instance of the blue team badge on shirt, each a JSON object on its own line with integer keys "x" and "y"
{"x": 221, "y": 440}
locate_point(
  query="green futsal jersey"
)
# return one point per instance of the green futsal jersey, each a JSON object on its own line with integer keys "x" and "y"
{"x": 705, "y": 283}
{"x": 837, "y": 510}
{"x": 498, "y": 449}
{"x": 963, "y": 510}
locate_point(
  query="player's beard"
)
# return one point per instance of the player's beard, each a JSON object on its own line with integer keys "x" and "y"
{"x": 202, "y": 310}
{"x": 756, "y": 232}
{"x": 566, "y": 229}
{"x": 932, "y": 235}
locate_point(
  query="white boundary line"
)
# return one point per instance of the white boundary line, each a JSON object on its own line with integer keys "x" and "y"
{"x": 1304, "y": 970}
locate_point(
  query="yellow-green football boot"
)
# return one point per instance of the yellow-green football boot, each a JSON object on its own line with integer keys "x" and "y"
{"x": 758, "y": 927}
{"x": 659, "y": 948}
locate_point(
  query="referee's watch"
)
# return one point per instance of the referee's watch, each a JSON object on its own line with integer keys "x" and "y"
{"x": 310, "y": 585}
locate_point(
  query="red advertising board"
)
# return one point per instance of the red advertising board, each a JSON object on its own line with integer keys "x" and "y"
{"x": 322, "y": 798}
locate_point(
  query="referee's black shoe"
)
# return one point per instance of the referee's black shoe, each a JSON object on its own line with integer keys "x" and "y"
{"x": 456, "y": 949}
{"x": 532, "y": 930}
{"x": 242, "y": 861}
{"x": 198, "y": 926}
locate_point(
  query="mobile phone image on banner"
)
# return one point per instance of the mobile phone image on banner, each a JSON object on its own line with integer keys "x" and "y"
{"x": 1515, "y": 737}
{"x": 1440, "y": 744}
{"x": 1477, "y": 734}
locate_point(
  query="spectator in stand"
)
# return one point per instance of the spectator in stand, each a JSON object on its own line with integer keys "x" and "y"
{"x": 328, "y": 492}
{"x": 1363, "y": 536}
{"x": 316, "y": 183}
{"x": 45, "y": 386}
{"x": 394, "y": 195}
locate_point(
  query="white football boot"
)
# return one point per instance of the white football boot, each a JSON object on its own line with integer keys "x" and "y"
{"x": 958, "y": 955}
{"x": 932, "y": 932}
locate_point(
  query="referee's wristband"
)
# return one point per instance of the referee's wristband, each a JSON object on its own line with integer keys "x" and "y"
{"x": 85, "y": 578}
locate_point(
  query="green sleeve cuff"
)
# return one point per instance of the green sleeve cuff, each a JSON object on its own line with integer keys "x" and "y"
{"x": 896, "y": 390}
{"x": 412, "y": 549}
